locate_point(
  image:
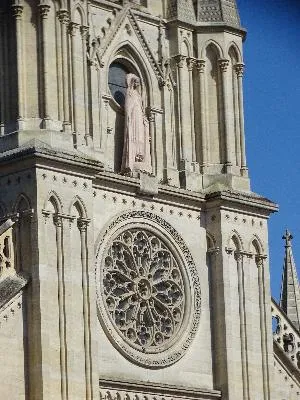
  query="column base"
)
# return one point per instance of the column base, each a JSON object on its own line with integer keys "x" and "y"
{"x": 171, "y": 177}
{"x": 190, "y": 176}
{"x": 67, "y": 127}
{"x": 148, "y": 184}
{"x": 217, "y": 182}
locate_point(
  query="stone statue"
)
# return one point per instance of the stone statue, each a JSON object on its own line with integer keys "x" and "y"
{"x": 136, "y": 151}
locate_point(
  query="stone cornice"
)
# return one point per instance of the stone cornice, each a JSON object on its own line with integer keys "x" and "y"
{"x": 220, "y": 27}
{"x": 250, "y": 203}
{"x": 166, "y": 194}
{"x": 243, "y": 200}
{"x": 157, "y": 389}
{"x": 36, "y": 153}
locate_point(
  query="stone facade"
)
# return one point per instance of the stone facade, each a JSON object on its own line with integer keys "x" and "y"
{"x": 129, "y": 286}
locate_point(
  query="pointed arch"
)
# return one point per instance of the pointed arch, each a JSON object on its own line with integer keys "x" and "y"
{"x": 22, "y": 203}
{"x": 126, "y": 50}
{"x": 53, "y": 202}
{"x": 236, "y": 241}
{"x": 79, "y": 207}
{"x": 58, "y": 4}
{"x": 214, "y": 45}
{"x": 233, "y": 50}
{"x": 256, "y": 246}
{"x": 185, "y": 48}
{"x": 213, "y": 105}
{"x": 61, "y": 3}
{"x": 78, "y": 14}
{"x": 210, "y": 241}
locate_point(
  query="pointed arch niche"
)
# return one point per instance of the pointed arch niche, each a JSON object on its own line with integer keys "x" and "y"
{"x": 233, "y": 101}
{"x": 213, "y": 94}
{"x": 125, "y": 60}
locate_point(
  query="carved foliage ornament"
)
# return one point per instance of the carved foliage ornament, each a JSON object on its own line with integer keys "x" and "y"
{"x": 148, "y": 289}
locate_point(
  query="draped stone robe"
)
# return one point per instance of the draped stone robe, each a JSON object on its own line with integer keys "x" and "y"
{"x": 136, "y": 152}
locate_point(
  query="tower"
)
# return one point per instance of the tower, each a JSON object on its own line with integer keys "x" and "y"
{"x": 133, "y": 283}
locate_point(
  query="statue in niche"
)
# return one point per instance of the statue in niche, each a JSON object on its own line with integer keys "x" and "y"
{"x": 136, "y": 151}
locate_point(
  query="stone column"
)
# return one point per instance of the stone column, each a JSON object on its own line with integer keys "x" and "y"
{"x": 243, "y": 326}
{"x": 74, "y": 29}
{"x": 200, "y": 66}
{"x": 44, "y": 10}
{"x": 82, "y": 226}
{"x": 264, "y": 348}
{"x": 57, "y": 220}
{"x": 190, "y": 66}
{"x": 84, "y": 33}
{"x": 17, "y": 10}
{"x": 63, "y": 16}
{"x": 153, "y": 140}
{"x": 223, "y": 64}
{"x": 180, "y": 63}
{"x": 239, "y": 69}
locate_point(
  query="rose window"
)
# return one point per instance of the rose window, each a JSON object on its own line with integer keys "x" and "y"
{"x": 143, "y": 290}
{"x": 148, "y": 289}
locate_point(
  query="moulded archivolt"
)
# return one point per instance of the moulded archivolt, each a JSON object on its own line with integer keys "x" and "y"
{"x": 148, "y": 289}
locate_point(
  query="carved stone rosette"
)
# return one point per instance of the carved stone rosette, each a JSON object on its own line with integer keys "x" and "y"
{"x": 148, "y": 289}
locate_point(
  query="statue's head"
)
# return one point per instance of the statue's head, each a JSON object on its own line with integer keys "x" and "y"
{"x": 133, "y": 81}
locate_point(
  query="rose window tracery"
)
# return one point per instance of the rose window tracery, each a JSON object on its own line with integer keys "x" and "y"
{"x": 143, "y": 290}
{"x": 148, "y": 289}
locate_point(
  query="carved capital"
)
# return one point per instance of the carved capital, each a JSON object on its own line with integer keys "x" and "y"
{"x": 17, "y": 10}
{"x": 151, "y": 116}
{"x": 82, "y": 225}
{"x": 200, "y": 66}
{"x": 239, "y": 69}
{"x": 213, "y": 251}
{"x": 223, "y": 64}
{"x": 180, "y": 60}
{"x": 229, "y": 250}
{"x": 44, "y": 10}
{"x": 238, "y": 256}
{"x": 57, "y": 220}
{"x": 190, "y": 63}
{"x": 259, "y": 260}
{"x": 73, "y": 28}
{"x": 84, "y": 30}
{"x": 63, "y": 16}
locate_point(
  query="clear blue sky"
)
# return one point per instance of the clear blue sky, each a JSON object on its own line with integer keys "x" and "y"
{"x": 272, "y": 116}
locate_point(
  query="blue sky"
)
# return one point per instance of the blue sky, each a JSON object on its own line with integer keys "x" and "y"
{"x": 272, "y": 116}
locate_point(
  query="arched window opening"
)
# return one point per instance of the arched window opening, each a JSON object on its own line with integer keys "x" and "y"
{"x": 122, "y": 68}
{"x": 213, "y": 106}
{"x": 117, "y": 81}
{"x": 234, "y": 107}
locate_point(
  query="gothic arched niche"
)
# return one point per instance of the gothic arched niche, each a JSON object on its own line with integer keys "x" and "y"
{"x": 125, "y": 61}
{"x": 233, "y": 104}
{"x": 213, "y": 94}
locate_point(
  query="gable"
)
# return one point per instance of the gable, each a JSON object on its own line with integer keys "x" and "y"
{"x": 124, "y": 27}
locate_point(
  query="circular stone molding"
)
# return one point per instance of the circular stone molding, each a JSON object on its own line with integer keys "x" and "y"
{"x": 148, "y": 289}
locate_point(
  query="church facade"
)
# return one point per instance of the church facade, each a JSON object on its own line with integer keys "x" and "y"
{"x": 133, "y": 253}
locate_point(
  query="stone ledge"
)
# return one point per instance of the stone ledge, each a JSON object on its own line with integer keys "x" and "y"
{"x": 52, "y": 138}
{"x": 154, "y": 389}
{"x": 37, "y": 149}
